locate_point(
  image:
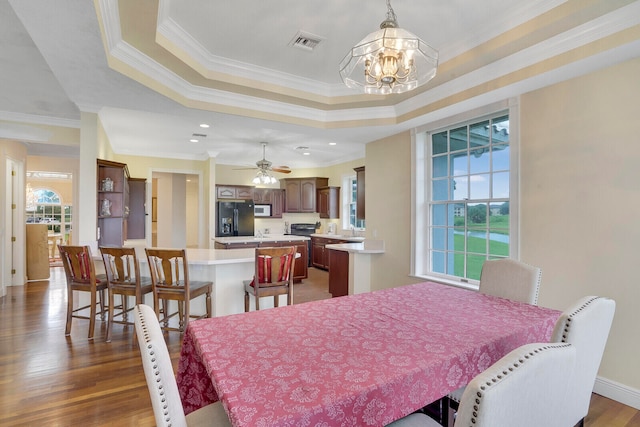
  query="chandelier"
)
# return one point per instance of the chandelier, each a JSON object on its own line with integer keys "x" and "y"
{"x": 31, "y": 198}
{"x": 390, "y": 60}
{"x": 264, "y": 177}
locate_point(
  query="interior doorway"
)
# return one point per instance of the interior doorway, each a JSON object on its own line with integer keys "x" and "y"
{"x": 176, "y": 209}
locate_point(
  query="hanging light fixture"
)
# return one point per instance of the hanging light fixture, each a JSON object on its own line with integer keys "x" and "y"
{"x": 264, "y": 177}
{"x": 31, "y": 198}
{"x": 390, "y": 60}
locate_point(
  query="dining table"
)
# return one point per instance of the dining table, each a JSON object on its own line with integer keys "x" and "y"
{"x": 357, "y": 360}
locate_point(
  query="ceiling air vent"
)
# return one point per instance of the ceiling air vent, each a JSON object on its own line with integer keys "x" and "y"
{"x": 199, "y": 135}
{"x": 305, "y": 41}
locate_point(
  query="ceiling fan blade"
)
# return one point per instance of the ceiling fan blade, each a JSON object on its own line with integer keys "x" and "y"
{"x": 247, "y": 168}
{"x": 281, "y": 169}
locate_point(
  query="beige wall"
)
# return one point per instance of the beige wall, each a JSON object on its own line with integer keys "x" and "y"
{"x": 388, "y": 208}
{"x": 64, "y": 188}
{"x": 580, "y": 204}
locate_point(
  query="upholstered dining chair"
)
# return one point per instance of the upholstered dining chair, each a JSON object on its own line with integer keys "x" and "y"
{"x": 585, "y": 325}
{"x": 81, "y": 276}
{"x": 511, "y": 279}
{"x": 505, "y": 278}
{"x": 273, "y": 275}
{"x": 169, "y": 270}
{"x": 161, "y": 381}
{"x": 526, "y": 388}
{"x": 123, "y": 278}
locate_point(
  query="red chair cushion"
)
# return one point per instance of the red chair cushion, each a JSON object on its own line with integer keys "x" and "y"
{"x": 264, "y": 269}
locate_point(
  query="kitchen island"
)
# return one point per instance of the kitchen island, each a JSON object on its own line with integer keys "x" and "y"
{"x": 350, "y": 266}
{"x": 301, "y": 268}
{"x": 225, "y": 268}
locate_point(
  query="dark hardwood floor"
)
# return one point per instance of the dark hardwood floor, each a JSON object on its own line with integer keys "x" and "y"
{"x": 47, "y": 379}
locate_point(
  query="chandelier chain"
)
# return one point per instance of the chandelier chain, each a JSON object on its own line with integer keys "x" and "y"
{"x": 391, "y": 15}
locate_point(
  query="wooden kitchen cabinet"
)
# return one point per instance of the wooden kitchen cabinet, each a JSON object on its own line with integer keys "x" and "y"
{"x": 300, "y": 193}
{"x": 329, "y": 202}
{"x": 112, "y": 202}
{"x": 319, "y": 252}
{"x": 277, "y": 203}
{"x": 360, "y": 180}
{"x": 270, "y": 196}
{"x": 237, "y": 192}
{"x": 137, "y": 210}
{"x": 338, "y": 273}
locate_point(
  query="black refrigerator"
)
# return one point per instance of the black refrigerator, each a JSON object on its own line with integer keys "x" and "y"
{"x": 234, "y": 219}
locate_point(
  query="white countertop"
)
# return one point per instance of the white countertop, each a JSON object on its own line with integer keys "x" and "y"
{"x": 264, "y": 238}
{"x": 366, "y": 247}
{"x": 339, "y": 237}
{"x": 210, "y": 256}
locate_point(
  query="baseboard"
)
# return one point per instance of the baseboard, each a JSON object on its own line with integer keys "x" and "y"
{"x": 618, "y": 392}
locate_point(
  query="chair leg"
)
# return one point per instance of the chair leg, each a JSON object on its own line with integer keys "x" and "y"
{"x": 92, "y": 314}
{"x": 276, "y": 300}
{"x": 208, "y": 302}
{"x": 67, "y": 329}
{"x": 444, "y": 411}
{"x": 102, "y": 298}
{"x": 257, "y": 302}
{"x": 246, "y": 301}
{"x": 110, "y": 318}
{"x": 184, "y": 321}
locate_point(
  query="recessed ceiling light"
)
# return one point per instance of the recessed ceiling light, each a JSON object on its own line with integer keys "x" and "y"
{"x": 306, "y": 153}
{"x": 333, "y": 143}
{"x": 193, "y": 140}
{"x": 204, "y": 125}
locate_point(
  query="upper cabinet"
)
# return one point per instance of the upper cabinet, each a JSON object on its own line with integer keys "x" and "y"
{"x": 112, "y": 202}
{"x": 300, "y": 193}
{"x": 329, "y": 202}
{"x": 270, "y": 196}
{"x": 237, "y": 192}
{"x": 359, "y": 192}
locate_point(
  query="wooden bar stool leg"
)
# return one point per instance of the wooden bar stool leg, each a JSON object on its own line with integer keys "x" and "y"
{"x": 67, "y": 329}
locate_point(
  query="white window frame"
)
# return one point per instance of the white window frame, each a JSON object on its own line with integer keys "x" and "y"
{"x": 420, "y": 264}
{"x": 347, "y": 183}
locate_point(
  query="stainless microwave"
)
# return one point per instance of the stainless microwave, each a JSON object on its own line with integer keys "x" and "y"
{"x": 262, "y": 210}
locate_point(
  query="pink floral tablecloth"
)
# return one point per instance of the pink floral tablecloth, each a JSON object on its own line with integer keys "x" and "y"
{"x": 360, "y": 360}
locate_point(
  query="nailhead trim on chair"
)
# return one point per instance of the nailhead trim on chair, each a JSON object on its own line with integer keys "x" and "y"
{"x": 521, "y": 361}
{"x": 156, "y": 372}
{"x": 567, "y": 323}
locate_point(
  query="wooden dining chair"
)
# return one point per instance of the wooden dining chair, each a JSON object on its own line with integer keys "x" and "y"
{"x": 169, "y": 270}
{"x": 123, "y": 278}
{"x": 81, "y": 276}
{"x": 161, "y": 381}
{"x": 504, "y": 278}
{"x": 526, "y": 388}
{"x": 273, "y": 275}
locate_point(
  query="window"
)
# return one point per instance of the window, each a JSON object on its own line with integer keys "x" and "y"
{"x": 466, "y": 209}
{"x": 44, "y": 206}
{"x": 350, "y": 195}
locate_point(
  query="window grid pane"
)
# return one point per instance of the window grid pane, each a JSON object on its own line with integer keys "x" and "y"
{"x": 469, "y": 202}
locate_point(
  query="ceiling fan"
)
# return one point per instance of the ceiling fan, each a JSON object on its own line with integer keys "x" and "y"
{"x": 264, "y": 168}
